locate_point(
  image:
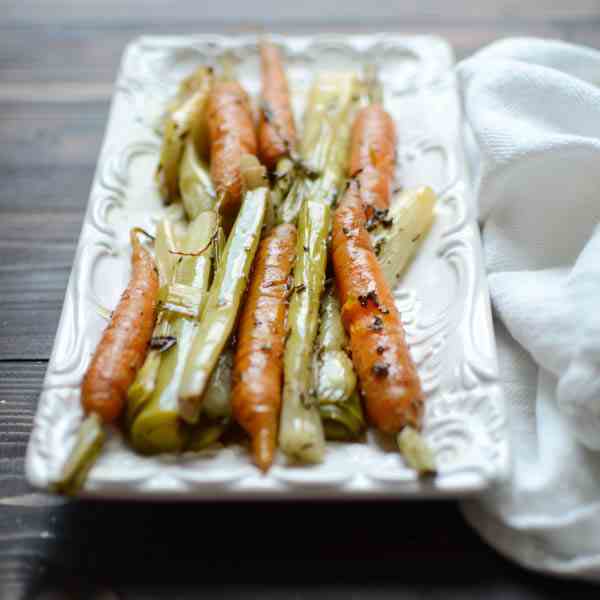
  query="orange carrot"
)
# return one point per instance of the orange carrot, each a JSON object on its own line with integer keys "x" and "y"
{"x": 231, "y": 133}
{"x": 388, "y": 378}
{"x": 373, "y": 157}
{"x": 276, "y": 129}
{"x": 122, "y": 349}
{"x": 256, "y": 398}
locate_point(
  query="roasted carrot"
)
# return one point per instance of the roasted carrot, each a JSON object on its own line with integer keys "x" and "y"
{"x": 125, "y": 341}
{"x": 373, "y": 156}
{"x": 256, "y": 399}
{"x": 373, "y": 150}
{"x": 118, "y": 356}
{"x": 388, "y": 378}
{"x": 231, "y": 133}
{"x": 276, "y": 129}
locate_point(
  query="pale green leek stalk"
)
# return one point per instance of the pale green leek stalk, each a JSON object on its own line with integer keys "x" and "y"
{"x": 185, "y": 119}
{"x": 324, "y": 150}
{"x": 205, "y": 433}
{"x": 165, "y": 242}
{"x": 88, "y": 444}
{"x": 156, "y": 427}
{"x": 216, "y": 403}
{"x": 219, "y": 248}
{"x": 216, "y": 407}
{"x": 404, "y": 227}
{"x": 301, "y": 432}
{"x": 343, "y": 421}
{"x": 195, "y": 184}
{"x": 328, "y": 118}
{"x": 334, "y": 382}
{"x": 284, "y": 177}
{"x": 223, "y": 304}
{"x": 335, "y": 379}
{"x": 416, "y": 452}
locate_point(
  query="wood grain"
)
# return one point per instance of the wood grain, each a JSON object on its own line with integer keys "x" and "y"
{"x": 51, "y": 134}
{"x": 58, "y": 61}
{"x": 27, "y": 72}
{"x": 113, "y": 13}
{"x": 38, "y": 250}
{"x": 47, "y": 159}
{"x": 19, "y": 387}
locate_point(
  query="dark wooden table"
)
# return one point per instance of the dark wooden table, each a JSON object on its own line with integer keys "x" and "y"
{"x": 57, "y": 63}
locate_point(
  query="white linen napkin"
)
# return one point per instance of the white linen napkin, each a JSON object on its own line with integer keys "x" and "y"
{"x": 533, "y": 110}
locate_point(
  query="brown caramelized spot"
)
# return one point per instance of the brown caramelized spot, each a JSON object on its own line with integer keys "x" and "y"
{"x": 377, "y": 324}
{"x": 380, "y": 369}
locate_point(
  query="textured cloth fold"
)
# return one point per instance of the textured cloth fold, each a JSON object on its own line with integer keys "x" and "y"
{"x": 533, "y": 113}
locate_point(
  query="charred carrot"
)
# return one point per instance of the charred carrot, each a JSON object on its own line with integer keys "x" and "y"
{"x": 125, "y": 341}
{"x": 373, "y": 156}
{"x": 118, "y": 356}
{"x": 258, "y": 362}
{"x": 231, "y": 133}
{"x": 276, "y": 128}
{"x": 388, "y": 378}
{"x": 373, "y": 152}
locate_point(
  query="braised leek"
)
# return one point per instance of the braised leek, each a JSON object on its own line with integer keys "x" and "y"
{"x": 335, "y": 379}
{"x": 301, "y": 432}
{"x": 397, "y": 233}
{"x": 332, "y": 101}
{"x": 222, "y": 307}
{"x": 184, "y": 117}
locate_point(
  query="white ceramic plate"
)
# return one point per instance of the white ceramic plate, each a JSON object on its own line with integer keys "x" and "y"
{"x": 443, "y": 298}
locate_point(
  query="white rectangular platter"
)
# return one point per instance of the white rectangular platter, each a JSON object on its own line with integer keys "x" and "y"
{"x": 443, "y": 297}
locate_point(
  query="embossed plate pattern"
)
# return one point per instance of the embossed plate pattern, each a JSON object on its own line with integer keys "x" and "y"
{"x": 443, "y": 297}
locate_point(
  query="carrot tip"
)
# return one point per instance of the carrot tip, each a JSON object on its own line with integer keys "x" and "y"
{"x": 263, "y": 447}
